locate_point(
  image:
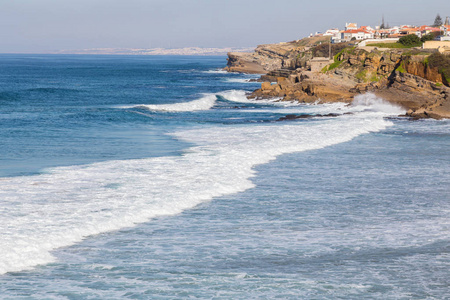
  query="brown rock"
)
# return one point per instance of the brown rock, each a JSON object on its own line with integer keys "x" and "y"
{"x": 266, "y": 86}
{"x": 281, "y": 79}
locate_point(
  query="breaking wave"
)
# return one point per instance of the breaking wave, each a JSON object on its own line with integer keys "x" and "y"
{"x": 206, "y": 102}
{"x": 68, "y": 204}
{"x": 370, "y": 102}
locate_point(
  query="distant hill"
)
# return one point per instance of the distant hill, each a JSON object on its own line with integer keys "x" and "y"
{"x": 156, "y": 51}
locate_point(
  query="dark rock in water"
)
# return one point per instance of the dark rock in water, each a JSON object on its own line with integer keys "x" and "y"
{"x": 295, "y": 117}
{"x": 329, "y": 115}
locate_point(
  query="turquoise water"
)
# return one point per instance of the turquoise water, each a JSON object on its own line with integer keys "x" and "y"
{"x": 155, "y": 178}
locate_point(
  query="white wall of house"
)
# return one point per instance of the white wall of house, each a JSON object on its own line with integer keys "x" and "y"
{"x": 347, "y": 36}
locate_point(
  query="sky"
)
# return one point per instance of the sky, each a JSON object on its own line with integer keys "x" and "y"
{"x": 40, "y": 26}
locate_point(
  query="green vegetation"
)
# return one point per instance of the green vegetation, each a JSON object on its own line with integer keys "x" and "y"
{"x": 388, "y": 45}
{"x": 337, "y": 62}
{"x": 401, "y": 68}
{"x": 362, "y": 75}
{"x": 335, "y": 65}
{"x": 375, "y": 78}
{"x": 300, "y": 55}
{"x": 437, "y": 21}
{"x": 442, "y": 63}
{"x": 350, "y": 50}
{"x": 429, "y": 37}
{"x": 418, "y": 52}
{"x": 410, "y": 40}
{"x": 439, "y": 84}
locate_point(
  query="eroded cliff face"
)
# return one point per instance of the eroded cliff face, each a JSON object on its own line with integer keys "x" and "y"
{"x": 397, "y": 76}
{"x": 272, "y": 57}
{"x": 402, "y": 76}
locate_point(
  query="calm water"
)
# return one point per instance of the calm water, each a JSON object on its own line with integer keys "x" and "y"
{"x": 155, "y": 178}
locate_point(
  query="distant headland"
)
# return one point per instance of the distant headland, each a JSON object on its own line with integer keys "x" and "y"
{"x": 155, "y": 51}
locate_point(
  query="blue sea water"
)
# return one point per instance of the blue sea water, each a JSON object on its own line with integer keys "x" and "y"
{"x": 146, "y": 177}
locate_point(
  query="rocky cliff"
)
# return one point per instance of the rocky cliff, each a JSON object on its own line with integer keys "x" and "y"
{"x": 401, "y": 76}
{"x": 272, "y": 57}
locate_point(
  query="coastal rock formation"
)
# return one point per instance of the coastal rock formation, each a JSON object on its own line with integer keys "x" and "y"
{"x": 307, "y": 87}
{"x": 272, "y": 57}
{"x": 401, "y": 76}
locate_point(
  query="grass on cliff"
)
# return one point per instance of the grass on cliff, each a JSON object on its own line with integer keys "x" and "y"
{"x": 337, "y": 62}
{"x": 390, "y": 45}
{"x": 401, "y": 68}
{"x": 442, "y": 63}
{"x": 375, "y": 78}
{"x": 362, "y": 75}
{"x": 408, "y": 41}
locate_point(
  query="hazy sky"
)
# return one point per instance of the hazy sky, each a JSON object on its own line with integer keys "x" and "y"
{"x": 48, "y": 25}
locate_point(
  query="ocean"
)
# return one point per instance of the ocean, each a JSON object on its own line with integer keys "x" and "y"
{"x": 154, "y": 177}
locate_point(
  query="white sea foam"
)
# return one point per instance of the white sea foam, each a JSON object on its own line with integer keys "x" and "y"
{"x": 217, "y": 71}
{"x": 242, "y": 80}
{"x": 370, "y": 102}
{"x": 204, "y": 103}
{"x": 238, "y": 80}
{"x": 207, "y": 101}
{"x": 44, "y": 212}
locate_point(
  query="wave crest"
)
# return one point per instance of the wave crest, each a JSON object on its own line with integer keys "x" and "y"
{"x": 204, "y": 103}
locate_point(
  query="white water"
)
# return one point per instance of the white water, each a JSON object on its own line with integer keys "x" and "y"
{"x": 217, "y": 71}
{"x": 243, "y": 80}
{"x": 44, "y": 212}
{"x": 206, "y": 102}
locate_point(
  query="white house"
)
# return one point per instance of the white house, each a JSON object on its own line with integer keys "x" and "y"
{"x": 331, "y": 32}
{"x": 446, "y": 30}
{"x": 357, "y": 34}
{"x": 335, "y": 35}
{"x": 351, "y": 26}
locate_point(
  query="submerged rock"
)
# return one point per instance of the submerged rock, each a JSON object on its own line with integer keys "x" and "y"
{"x": 295, "y": 117}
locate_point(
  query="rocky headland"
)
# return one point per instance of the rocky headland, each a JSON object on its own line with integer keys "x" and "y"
{"x": 300, "y": 70}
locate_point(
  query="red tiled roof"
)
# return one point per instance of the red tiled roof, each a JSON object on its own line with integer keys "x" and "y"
{"x": 355, "y": 31}
{"x": 409, "y": 29}
{"x": 424, "y": 27}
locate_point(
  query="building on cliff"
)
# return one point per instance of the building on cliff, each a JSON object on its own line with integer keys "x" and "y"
{"x": 318, "y": 63}
{"x": 356, "y": 34}
{"x": 446, "y": 30}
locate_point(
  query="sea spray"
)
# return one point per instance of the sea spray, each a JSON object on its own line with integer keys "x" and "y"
{"x": 370, "y": 102}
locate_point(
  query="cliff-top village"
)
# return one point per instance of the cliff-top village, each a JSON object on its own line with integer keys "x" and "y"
{"x": 352, "y": 32}
{"x": 366, "y": 35}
